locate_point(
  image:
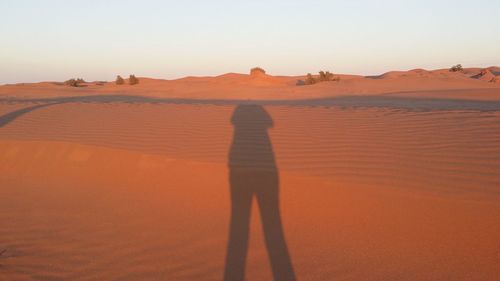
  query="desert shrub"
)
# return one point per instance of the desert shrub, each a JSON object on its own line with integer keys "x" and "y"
{"x": 324, "y": 76}
{"x": 310, "y": 79}
{"x": 119, "y": 80}
{"x": 74, "y": 82}
{"x": 71, "y": 82}
{"x": 257, "y": 70}
{"x": 132, "y": 80}
{"x": 456, "y": 68}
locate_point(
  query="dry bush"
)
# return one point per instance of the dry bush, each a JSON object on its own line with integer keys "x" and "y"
{"x": 324, "y": 76}
{"x": 132, "y": 80}
{"x": 74, "y": 82}
{"x": 119, "y": 80}
{"x": 310, "y": 79}
{"x": 71, "y": 82}
{"x": 257, "y": 70}
{"x": 456, "y": 68}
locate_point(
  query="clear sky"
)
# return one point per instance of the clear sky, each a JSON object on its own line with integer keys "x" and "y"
{"x": 97, "y": 39}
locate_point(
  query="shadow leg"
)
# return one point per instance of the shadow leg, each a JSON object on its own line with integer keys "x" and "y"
{"x": 268, "y": 200}
{"x": 241, "y": 204}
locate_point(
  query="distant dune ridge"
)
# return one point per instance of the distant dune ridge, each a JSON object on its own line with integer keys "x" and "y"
{"x": 389, "y": 177}
{"x": 259, "y": 85}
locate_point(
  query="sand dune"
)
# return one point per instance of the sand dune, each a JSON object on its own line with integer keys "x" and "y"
{"x": 319, "y": 141}
{"x": 242, "y": 86}
{"x": 380, "y": 178}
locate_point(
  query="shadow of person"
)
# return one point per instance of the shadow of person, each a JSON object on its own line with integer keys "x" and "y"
{"x": 253, "y": 173}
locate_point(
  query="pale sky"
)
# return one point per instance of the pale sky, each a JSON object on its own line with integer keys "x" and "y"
{"x": 56, "y": 40}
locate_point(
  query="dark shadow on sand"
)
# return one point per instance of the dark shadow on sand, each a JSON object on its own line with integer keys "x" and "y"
{"x": 253, "y": 174}
{"x": 388, "y": 100}
{"x": 11, "y": 116}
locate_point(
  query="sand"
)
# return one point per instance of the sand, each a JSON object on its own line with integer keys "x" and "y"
{"x": 242, "y": 87}
{"x": 381, "y": 178}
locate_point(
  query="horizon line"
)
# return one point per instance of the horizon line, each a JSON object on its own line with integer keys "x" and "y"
{"x": 241, "y": 73}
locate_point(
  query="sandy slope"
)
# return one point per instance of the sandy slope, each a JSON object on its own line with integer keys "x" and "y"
{"x": 370, "y": 188}
{"x": 241, "y": 86}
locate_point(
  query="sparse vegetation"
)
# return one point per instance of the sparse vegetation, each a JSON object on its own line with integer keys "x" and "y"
{"x": 257, "y": 70}
{"x": 324, "y": 76}
{"x": 119, "y": 80}
{"x": 132, "y": 80}
{"x": 74, "y": 82}
{"x": 71, "y": 82}
{"x": 456, "y": 68}
{"x": 310, "y": 79}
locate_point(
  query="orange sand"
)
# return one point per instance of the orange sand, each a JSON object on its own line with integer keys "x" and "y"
{"x": 441, "y": 83}
{"x": 392, "y": 185}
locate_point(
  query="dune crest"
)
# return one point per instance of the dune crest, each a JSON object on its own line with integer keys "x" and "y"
{"x": 261, "y": 85}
